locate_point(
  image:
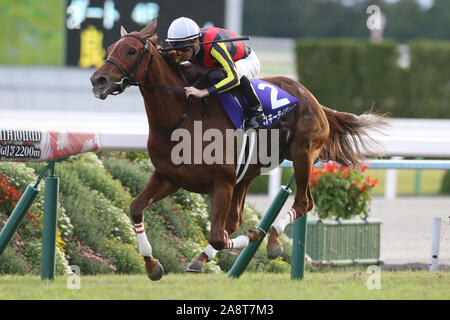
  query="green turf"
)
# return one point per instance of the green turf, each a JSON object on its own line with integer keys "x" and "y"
{"x": 430, "y": 181}
{"x": 404, "y": 285}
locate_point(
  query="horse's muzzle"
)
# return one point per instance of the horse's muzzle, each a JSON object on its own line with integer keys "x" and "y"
{"x": 102, "y": 86}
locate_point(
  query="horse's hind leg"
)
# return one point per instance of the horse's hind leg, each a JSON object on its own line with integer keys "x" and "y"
{"x": 236, "y": 217}
{"x": 303, "y": 160}
{"x": 234, "y": 220}
{"x": 157, "y": 188}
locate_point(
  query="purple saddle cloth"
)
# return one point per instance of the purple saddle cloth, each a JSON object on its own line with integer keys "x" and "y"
{"x": 276, "y": 103}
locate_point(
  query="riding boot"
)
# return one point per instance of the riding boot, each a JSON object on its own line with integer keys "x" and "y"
{"x": 254, "y": 109}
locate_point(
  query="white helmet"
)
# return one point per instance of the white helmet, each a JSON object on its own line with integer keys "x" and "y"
{"x": 182, "y": 29}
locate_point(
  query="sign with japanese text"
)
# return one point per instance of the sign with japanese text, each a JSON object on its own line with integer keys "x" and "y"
{"x": 93, "y": 25}
{"x": 42, "y": 145}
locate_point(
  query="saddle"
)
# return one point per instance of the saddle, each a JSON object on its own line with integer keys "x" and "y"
{"x": 276, "y": 103}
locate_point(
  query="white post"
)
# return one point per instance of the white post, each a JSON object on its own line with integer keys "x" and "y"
{"x": 274, "y": 182}
{"x": 390, "y": 189}
{"x": 436, "y": 236}
{"x": 233, "y": 15}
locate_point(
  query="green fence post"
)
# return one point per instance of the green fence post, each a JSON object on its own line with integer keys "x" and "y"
{"x": 266, "y": 222}
{"x": 50, "y": 225}
{"x": 17, "y": 215}
{"x": 299, "y": 249}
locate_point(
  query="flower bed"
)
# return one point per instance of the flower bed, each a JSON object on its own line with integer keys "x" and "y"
{"x": 341, "y": 192}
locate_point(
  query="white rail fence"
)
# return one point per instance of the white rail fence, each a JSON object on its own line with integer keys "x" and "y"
{"x": 392, "y": 165}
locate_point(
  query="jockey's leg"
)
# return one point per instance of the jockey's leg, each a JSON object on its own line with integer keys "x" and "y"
{"x": 254, "y": 109}
{"x": 248, "y": 68}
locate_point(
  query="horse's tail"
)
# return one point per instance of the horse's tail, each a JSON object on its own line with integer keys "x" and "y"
{"x": 350, "y": 136}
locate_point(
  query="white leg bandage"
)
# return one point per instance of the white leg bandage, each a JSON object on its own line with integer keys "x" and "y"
{"x": 145, "y": 249}
{"x": 210, "y": 252}
{"x": 283, "y": 220}
{"x": 238, "y": 242}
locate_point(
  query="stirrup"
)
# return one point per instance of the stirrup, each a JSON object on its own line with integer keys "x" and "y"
{"x": 257, "y": 118}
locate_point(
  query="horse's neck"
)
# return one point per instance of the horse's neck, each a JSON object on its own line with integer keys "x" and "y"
{"x": 164, "y": 107}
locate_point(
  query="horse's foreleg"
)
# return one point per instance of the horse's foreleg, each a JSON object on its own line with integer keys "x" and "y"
{"x": 157, "y": 188}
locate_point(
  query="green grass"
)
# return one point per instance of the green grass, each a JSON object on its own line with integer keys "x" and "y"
{"x": 32, "y": 32}
{"x": 430, "y": 181}
{"x": 403, "y": 285}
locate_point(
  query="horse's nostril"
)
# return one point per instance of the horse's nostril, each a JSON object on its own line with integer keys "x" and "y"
{"x": 99, "y": 81}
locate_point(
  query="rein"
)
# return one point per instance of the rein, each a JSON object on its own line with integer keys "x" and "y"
{"x": 129, "y": 80}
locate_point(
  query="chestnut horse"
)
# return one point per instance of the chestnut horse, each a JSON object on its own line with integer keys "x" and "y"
{"x": 308, "y": 132}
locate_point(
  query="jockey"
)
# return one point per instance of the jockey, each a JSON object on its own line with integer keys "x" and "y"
{"x": 237, "y": 60}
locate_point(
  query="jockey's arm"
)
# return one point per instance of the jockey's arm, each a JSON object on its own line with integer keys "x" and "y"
{"x": 221, "y": 55}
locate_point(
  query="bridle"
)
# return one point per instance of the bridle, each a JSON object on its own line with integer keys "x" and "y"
{"x": 129, "y": 79}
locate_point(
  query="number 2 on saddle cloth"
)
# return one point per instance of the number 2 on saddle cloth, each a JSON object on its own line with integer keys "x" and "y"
{"x": 276, "y": 103}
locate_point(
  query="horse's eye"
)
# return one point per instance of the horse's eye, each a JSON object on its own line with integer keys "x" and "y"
{"x": 132, "y": 51}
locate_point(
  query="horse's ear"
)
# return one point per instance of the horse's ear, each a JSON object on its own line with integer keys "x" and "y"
{"x": 123, "y": 32}
{"x": 148, "y": 30}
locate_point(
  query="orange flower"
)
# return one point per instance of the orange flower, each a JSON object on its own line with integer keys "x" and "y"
{"x": 331, "y": 166}
{"x": 364, "y": 167}
{"x": 374, "y": 183}
{"x": 363, "y": 188}
{"x": 346, "y": 173}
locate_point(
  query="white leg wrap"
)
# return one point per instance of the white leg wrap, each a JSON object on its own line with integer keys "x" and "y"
{"x": 238, "y": 242}
{"x": 210, "y": 252}
{"x": 145, "y": 249}
{"x": 283, "y": 220}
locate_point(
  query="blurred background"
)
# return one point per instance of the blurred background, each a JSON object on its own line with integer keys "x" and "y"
{"x": 351, "y": 54}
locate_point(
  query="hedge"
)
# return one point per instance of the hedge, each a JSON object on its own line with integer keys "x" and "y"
{"x": 95, "y": 231}
{"x": 354, "y": 75}
{"x": 23, "y": 253}
{"x": 430, "y": 79}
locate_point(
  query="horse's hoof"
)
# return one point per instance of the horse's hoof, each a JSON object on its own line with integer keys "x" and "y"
{"x": 158, "y": 274}
{"x": 274, "y": 253}
{"x": 195, "y": 266}
{"x": 255, "y": 233}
